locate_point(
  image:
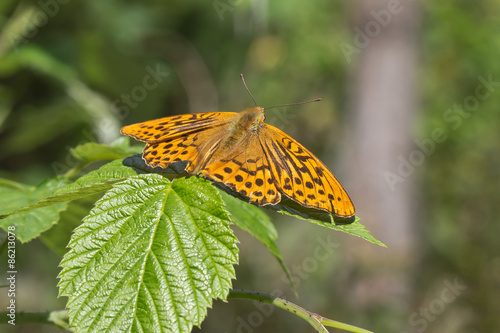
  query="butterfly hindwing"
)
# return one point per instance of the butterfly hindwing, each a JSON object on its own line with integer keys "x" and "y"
{"x": 165, "y": 153}
{"x": 301, "y": 176}
{"x": 194, "y": 148}
{"x": 246, "y": 170}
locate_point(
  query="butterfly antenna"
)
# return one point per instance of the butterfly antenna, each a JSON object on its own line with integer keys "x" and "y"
{"x": 298, "y": 103}
{"x": 243, "y": 79}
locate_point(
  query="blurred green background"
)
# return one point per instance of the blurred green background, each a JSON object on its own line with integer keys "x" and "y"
{"x": 76, "y": 71}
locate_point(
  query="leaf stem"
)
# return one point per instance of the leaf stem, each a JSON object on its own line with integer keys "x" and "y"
{"x": 58, "y": 318}
{"x": 316, "y": 321}
{"x": 9, "y": 183}
{"x": 29, "y": 317}
{"x": 4, "y": 245}
{"x": 72, "y": 172}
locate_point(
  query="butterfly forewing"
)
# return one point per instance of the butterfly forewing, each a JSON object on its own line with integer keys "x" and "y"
{"x": 302, "y": 176}
{"x": 162, "y": 129}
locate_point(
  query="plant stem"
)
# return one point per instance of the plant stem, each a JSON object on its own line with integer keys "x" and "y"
{"x": 30, "y": 317}
{"x": 58, "y": 318}
{"x": 10, "y": 183}
{"x": 4, "y": 245}
{"x": 316, "y": 321}
{"x": 72, "y": 172}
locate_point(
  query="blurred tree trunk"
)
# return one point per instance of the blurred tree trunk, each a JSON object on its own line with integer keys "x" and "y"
{"x": 382, "y": 107}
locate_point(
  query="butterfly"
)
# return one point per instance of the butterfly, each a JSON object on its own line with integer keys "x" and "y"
{"x": 255, "y": 159}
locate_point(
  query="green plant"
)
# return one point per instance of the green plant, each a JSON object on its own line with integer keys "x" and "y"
{"x": 154, "y": 251}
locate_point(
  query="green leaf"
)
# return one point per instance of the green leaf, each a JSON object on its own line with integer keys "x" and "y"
{"x": 289, "y": 207}
{"x": 354, "y": 229}
{"x": 293, "y": 208}
{"x": 57, "y": 237}
{"x": 13, "y": 195}
{"x": 34, "y": 57}
{"x": 256, "y": 222}
{"x": 116, "y": 171}
{"x": 29, "y": 225}
{"x": 102, "y": 179}
{"x": 60, "y": 319}
{"x": 92, "y": 151}
{"x": 151, "y": 256}
{"x": 263, "y": 230}
{"x": 94, "y": 182}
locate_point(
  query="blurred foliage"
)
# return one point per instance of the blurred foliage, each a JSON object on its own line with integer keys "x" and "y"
{"x": 461, "y": 179}
{"x": 91, "y": 66}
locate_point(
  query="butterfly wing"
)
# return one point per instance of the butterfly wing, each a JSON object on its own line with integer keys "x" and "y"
{"x": 302, "y": 176}
{"x": 192, "y": 147}
{"x": 162, "y": 129}
{"x": 189, "y": 137}
{"x": 246, "y": 170}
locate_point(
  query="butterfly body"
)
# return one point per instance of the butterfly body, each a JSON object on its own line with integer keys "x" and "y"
{"x": 249, "y": 156}
{"x": 246, "y": 123}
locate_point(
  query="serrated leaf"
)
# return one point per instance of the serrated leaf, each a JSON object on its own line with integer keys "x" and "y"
{"x": 57, "y": 237}
{"x": 151, "y": 256}
{"x": 256, "y": 222}
{"x": 29, "y": 225}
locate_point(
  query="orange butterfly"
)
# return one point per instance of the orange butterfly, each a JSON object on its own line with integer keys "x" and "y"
{"x": 247, "y": 155}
